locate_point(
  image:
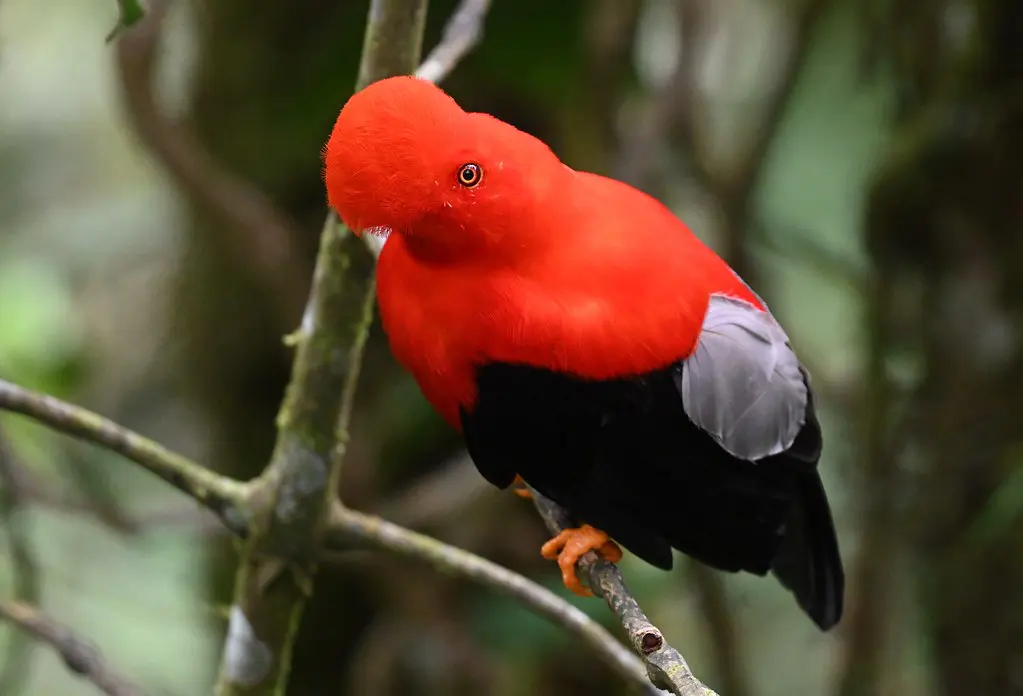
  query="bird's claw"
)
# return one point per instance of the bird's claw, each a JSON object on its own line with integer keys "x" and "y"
{"x": 570, "y": 545}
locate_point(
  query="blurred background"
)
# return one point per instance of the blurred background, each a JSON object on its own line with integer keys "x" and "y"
{"x": 860, "y": 162}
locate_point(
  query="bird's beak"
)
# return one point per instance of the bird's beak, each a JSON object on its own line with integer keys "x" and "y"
{"x": 366, "y": 231}
{"x": 375, "y": 238}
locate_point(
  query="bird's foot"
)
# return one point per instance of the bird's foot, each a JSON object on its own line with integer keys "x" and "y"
{"x": 570, "y": 545}
{"x": 520, "y": 488}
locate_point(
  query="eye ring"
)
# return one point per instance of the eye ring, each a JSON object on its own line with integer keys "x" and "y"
{"x": 470, "y": 175}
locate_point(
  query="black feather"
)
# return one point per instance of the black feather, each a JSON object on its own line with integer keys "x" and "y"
{"x": 623, "y": 456}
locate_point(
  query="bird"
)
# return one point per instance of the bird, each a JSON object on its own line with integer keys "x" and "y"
{"x": 583, "y": 340}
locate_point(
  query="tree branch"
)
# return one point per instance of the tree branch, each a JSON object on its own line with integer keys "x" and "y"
{"x": 224, "y": 496}
{"x": 299, "y": 484}
{"x": 461, "y": 34}
{"x": 665, "y": 666}
{"x": 79, "y": 656}
{"x": 346, "y": 525}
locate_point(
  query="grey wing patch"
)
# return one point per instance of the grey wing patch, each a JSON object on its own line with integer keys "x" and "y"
{"x": 743, "y": 384}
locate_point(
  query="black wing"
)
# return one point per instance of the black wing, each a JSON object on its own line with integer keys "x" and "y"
{"x": 626, "y": 456}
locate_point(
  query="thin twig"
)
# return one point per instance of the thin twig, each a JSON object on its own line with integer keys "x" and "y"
{"x": 79, "y": 656}
{"x": 665, "y": 665}
{"x": 222, "y": 495}
{"x": 346, "y": 524}
{"x": 24, "y": 567}
{"x": 461, "y": 34}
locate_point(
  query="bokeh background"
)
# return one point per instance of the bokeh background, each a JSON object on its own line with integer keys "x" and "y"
{"x": 859, "y": 161}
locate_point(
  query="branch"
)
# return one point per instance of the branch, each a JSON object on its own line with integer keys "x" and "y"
{"x": 79, "y": 656}
{"x": 298, "y": 486}
{"x": 346, "y": 524}
{"x": 224, "y": 496}
{"x": 461, "y": 34}
{"x": 665, "y": 665}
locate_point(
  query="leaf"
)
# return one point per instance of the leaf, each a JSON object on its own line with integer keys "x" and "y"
{"x": 131, "y": 12}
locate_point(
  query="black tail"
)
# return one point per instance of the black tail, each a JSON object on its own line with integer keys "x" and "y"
{"x": 808, "y": 562}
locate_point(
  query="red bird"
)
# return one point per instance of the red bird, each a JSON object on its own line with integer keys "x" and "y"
{"x": 581, "y": 337}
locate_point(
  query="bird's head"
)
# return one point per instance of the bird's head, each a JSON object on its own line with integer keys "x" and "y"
{"x": 404, "y": 157}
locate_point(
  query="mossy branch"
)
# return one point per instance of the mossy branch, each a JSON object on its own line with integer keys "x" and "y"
{"x": 297, "y": 488}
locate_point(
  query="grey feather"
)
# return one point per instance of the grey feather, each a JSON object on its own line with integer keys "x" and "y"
{"x": 743, "y": 384}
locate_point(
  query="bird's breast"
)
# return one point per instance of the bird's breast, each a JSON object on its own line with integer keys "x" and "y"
{"x": 427, "y": 316}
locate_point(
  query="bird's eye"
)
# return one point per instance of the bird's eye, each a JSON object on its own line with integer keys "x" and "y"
{"x": 470, "y": 175}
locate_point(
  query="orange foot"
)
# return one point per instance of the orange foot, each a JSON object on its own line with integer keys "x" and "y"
{"x": 520, "y": 488}
{"x": 569, "y": 546}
